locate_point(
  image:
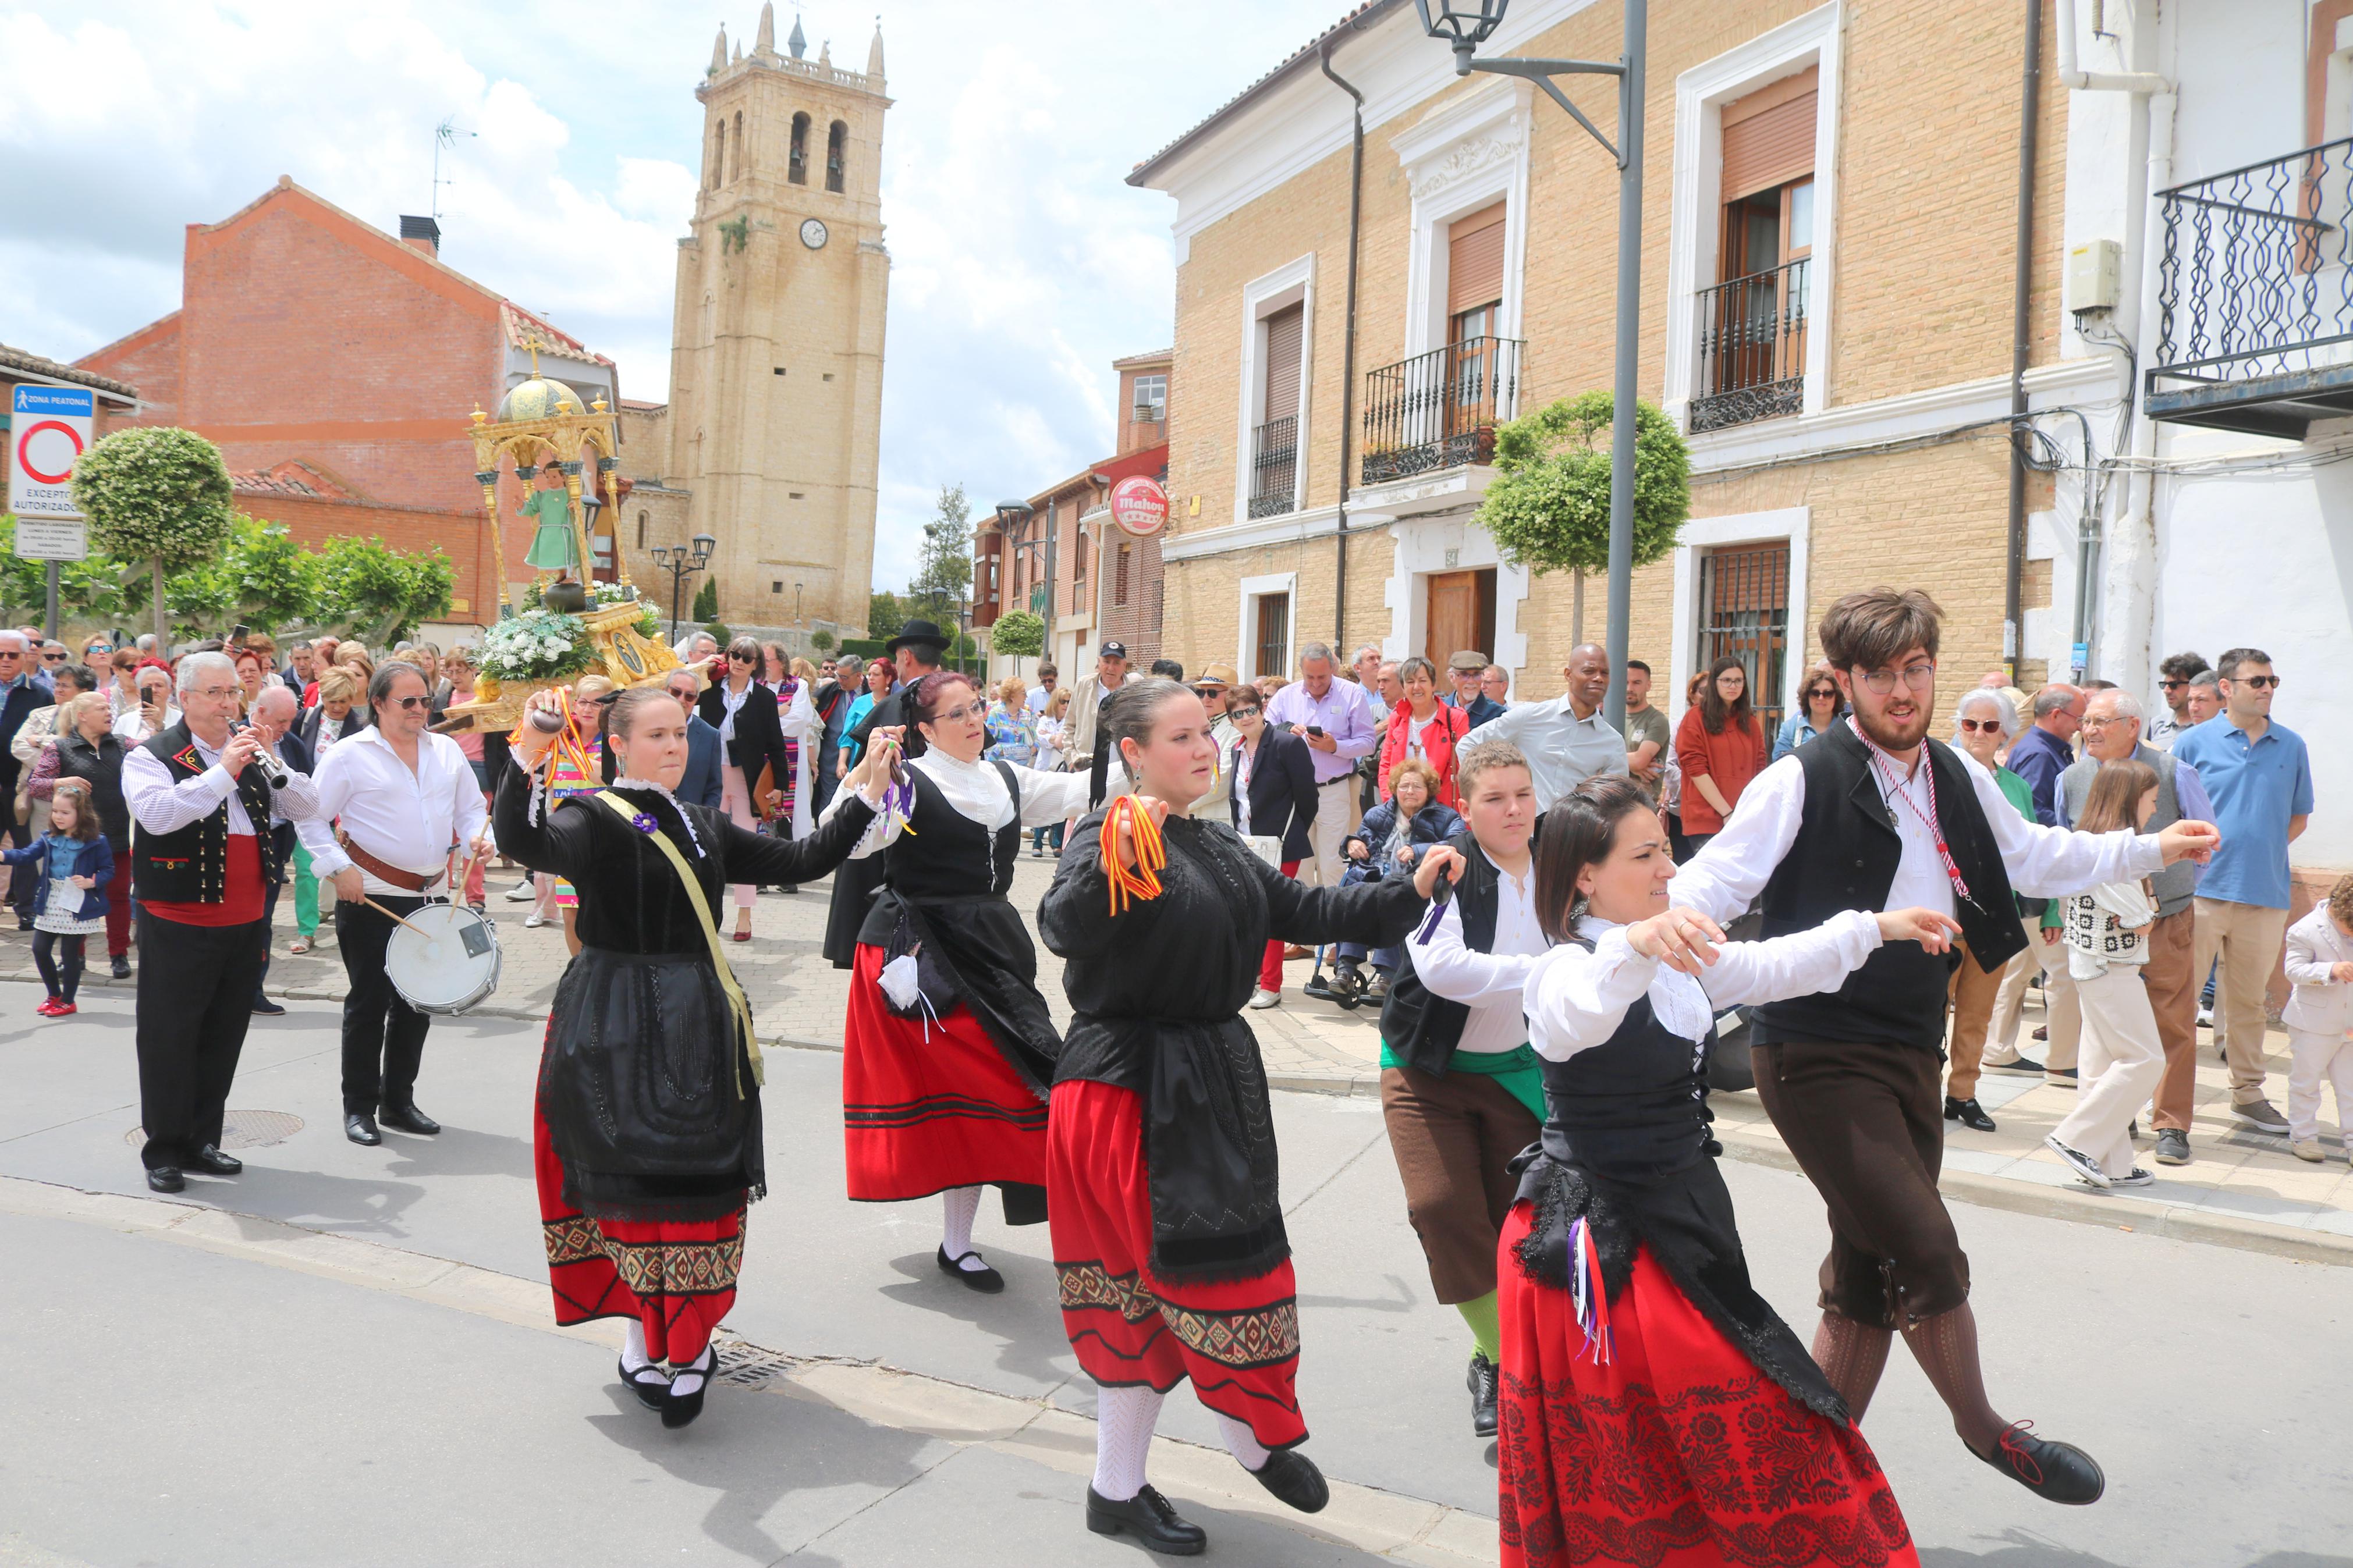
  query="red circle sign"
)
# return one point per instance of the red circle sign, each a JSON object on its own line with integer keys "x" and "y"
{"x": 24, "y": 449}
{"x": 1139, "y": 505}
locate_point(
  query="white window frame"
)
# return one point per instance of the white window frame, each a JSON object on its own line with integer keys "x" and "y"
{"x": 1291, "y": 284}
{"x": 1696, "y": 235}
{"x": 1700, "y": 533}
{"x": 1464, "y": 155}
{"x": 1450, "y": 542}
{"x": 1253, "y": 589}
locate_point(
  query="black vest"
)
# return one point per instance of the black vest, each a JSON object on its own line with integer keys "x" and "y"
{"x": 944, "y": 854}
{"x": 1421, "y": 1029}
{"x": 1633, "y": 1108}
{"x": 190, "y": 864}
{"x": 1844, "y": 858}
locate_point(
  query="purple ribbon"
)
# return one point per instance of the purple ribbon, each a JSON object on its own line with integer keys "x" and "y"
{"x": 644, "y": 822}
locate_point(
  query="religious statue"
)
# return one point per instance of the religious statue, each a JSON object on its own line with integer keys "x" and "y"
{"x": 552, "y": 546}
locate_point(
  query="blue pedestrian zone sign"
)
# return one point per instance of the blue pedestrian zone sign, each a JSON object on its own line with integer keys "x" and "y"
{"x": 48, "y": 430}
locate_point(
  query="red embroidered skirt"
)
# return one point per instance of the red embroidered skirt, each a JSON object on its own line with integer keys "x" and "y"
{"x": 921, "y": 1115}
{"x": 676, "y": 1277}
{"x": 1677, "y": 1454}
{"x": 1237, "y": 1340}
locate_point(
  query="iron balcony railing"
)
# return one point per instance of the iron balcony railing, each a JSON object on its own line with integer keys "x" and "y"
{"x": 1752, "y": 348}
{"x": 1439, "y": 409}
{"x": 1274, "y": 468}
{"x": 2253, "y": 282}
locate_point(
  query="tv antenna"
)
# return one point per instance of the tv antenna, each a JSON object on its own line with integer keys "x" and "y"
{"x": 445, "y": 134}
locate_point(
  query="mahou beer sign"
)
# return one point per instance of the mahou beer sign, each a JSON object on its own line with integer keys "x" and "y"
{"x": 1139, "y": 505}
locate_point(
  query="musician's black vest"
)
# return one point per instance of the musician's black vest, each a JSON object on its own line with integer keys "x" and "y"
{"x": 190, "y": 864}
{"x": 1844, "y": 858}
{"x": 1422, "y": 1029}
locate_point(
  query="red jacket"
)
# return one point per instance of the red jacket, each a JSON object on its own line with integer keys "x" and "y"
{"x": 1447, "y": 727}
{"x": 1730, "y": 759}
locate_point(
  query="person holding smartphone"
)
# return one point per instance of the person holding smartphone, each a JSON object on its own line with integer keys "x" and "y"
{"x": 153, "y": 712}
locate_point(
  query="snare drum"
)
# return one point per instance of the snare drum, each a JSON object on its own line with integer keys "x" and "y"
{"x": 447, "y": 962}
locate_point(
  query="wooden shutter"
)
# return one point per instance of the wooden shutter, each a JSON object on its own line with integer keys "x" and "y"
{"x": 1283, "y": 334}
{"x": 1768, "y": 136}
{"x": 1474, "y": 260}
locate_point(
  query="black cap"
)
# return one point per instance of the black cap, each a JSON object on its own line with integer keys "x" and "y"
{"x": 1112, "y": 650}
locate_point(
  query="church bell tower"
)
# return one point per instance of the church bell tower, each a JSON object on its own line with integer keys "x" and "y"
{"x": 777, "y": 358}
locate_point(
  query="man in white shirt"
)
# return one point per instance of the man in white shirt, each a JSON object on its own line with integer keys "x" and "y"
{"x": 1873, "y": 815}
{"x": 1566, "y": 741}
{"x": 403, "y": 797}
{"x": 1086, "y": 704}
{"x": 201, "y": 861}
{"x": 1335, "y": 720}
{"x": 1041, "y": 691}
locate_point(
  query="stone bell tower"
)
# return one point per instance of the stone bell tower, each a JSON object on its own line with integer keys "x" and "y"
{"x": 777, "y": 358}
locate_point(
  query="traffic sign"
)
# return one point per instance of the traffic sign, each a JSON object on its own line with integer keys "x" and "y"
{"x": 48, "y": 431}
{"x": 52, "y": 539}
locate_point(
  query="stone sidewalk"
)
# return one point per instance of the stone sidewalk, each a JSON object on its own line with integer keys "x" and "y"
{"x": 2243, "y": 1189}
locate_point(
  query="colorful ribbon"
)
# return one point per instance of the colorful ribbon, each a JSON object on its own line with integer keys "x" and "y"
{"x": 1141, "y": 883}
{"x": 1587, "y": 1291}
{"x": 569, "y": 745}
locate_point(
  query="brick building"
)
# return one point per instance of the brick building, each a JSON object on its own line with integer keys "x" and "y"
{"x": 1067, "y": 560}
{"x": 1831, "y": 191}
{"x": 337, "y": 367}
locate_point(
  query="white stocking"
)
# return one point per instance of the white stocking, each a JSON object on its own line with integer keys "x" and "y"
{"x": 1124, "y": 1421}
{"x": 690, "y": 1378}
{"x": 1240, "y": 1442}
{"x": 961, "y": 1204}
{"x": 633, "y": 1346}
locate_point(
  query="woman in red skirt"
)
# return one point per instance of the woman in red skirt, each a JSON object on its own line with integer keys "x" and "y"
{"x": 948, "y": 1049}
{"x": 646, "y": 1133}
{"x": 1162, "y": 1180}
{"x": 1656, "y": 1409}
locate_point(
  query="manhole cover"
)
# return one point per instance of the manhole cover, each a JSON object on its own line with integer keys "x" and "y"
{"x": 747, "y": 1365}
{"x": 243, "y": 1129}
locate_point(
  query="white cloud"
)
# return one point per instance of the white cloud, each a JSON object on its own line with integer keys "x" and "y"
{"x": 1022, "y": 264}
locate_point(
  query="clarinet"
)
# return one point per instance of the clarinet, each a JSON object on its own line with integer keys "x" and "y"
{"x": 273, "y": 771}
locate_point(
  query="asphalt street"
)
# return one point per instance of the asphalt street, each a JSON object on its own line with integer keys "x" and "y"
{"x": 174, "y": 1404}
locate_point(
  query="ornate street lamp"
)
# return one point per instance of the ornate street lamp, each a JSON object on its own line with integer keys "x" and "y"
{"x": 1462, "y": 26}
{"x": 682, "y": 562}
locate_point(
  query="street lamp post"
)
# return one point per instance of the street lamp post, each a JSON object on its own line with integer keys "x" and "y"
{"x": 1463, "y": 26}
{"x": 682, "y": 562}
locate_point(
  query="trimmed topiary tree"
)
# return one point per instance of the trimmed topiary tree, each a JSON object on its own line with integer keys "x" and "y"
{"x": 1548, "y": 509}
{"x": 157, "y": 493}
{"x": 706, "y": 601}
{"x": 821, "y": 640}
{"x": 1019, "y": 634}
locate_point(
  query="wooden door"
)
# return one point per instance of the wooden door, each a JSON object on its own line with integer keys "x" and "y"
{"x": 1460, "y": 613}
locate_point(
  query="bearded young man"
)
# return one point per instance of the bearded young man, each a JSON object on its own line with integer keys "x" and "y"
{"x": 1874, "y": 815}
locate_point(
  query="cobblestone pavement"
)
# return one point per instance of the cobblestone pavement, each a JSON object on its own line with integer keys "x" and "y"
{"x": 2244, "y": 1186}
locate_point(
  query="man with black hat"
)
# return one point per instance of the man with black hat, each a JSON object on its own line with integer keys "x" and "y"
{"x": 916, "y": 651}
{"x": 1086, "y": 702}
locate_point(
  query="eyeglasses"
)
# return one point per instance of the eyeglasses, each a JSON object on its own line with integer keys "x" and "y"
{"x": 2258, "y": 681}
{"x": 1242, "y": 712}
{"x": 2172, "y": 684}
{"x": 957, "y": 715}
{"x": 215, "y": 692}
{"x": 742, "y": 658}
{"x": 1822, "y": 691}
{"x": 1989, "y": 726}
{"x": 1919, "y": 676}
{"x": 408, "y": 704}
{"x": 53, "y": 658}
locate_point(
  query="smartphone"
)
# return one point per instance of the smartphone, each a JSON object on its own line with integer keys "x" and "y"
{"x": 1317, "y": 730}
{"x": 238, "y": 634}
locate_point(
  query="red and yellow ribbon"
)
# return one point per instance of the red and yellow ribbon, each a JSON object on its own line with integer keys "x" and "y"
{"x": 1141, "y": 882}
{"x": 569, "y": 745}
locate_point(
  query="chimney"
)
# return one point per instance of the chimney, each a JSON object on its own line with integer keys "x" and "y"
{"x": 421, "y": 232}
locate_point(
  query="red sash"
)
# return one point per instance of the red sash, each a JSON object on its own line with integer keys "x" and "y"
{"x": 241, "y": 902}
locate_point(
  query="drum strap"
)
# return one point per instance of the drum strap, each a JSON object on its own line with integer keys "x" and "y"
{"x": 701, "y": 907}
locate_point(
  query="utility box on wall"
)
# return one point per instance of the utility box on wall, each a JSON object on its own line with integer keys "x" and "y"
{"x": 2093, "y": 273}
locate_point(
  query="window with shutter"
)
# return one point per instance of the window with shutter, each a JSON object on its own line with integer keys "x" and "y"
{"x": 1768, "y": 135}
{"x": 1474, "y": 264}
{"x": 1283, "y": 330}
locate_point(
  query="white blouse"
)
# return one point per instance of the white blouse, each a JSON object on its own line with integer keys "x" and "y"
{"x": 977, "y": 790}
{"x": 1576, "y": 999}
{"x": 1490, "y": 984}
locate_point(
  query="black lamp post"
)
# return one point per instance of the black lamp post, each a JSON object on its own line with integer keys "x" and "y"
{"x": 1463, "y": 26}
{"x": 682, "y": 562}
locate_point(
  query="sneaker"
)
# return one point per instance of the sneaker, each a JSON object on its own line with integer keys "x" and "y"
{"x": 122, "y": 966}
{"x": 2306, "y": 1149}
{"x": 2087, "y": 1170}
{"x": 1264, "y": 998}
{"x": 2205, "y": 1017}
{"x": 2172, "y": 1146}
{"x": 2140, "y": 1177}
{"x": 522, "y": 892}
{"x": 2060, "y": 1078}
{"x": 2021, "y": 1064}
{"x": 534, "y": 920}
{"x": 263, "y": 1008}
{"x": 1377, "y": 988}
{"x": 2259, "y": 1115}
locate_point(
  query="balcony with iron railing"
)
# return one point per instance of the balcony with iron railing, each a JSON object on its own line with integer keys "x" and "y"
{"x": 1752, "y": 348}
{"x": 1274, "y": 469}
{"x": 2255, "y": 294}
{"x": 1439, "y": 410}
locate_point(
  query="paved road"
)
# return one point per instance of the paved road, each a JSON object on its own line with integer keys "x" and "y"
{"x": 157, "y": 1374}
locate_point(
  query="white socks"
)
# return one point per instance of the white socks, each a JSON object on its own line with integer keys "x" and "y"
{"x": 689, "y": 1379}
{"x": 962, "y": 1205}
{"x": 633, "y": 1347}
{"x": 1241, "y": 1443}
{"x": 1124, "y": 1418}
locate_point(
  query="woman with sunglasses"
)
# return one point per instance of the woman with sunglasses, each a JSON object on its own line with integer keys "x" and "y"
{"x": 1985, "y": 1004}
{"x": 948, "y": 1050}
{"x": 1819, "y": 706}
{"x": 743, "y": 709}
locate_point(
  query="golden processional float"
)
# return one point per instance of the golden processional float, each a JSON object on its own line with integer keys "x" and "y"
{"x": 564, "y": 455}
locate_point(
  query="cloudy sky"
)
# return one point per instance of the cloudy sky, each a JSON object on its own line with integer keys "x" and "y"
{"x": 1022, "y": 264}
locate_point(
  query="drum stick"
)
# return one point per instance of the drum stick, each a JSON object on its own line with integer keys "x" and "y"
{"x": 396, "y": 919}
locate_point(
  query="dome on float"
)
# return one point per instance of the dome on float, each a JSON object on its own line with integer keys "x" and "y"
{"x": 539, "y": 398}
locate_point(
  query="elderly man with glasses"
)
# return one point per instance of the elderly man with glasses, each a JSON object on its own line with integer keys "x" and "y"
{"x": 2047, "y": 748}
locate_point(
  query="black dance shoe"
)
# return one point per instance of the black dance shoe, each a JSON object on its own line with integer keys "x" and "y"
{"x": 1969, "y": 1113}
{"x": 408, "y": 1119}
{"x": 649, "y": 1382}
{"x": 166, "y": 1179}
{"x": 1148, "y": 1517}
{"x": 985, "y": 1279}
{"x": 1481, "y": 1382}
{"x": 2057, "y": 1472}
{"x": 213, "y": 1162}
{"x": 1293, "y": 1477}
{"x": 360, "y": 1127}
{"x": 680, "y": 1409}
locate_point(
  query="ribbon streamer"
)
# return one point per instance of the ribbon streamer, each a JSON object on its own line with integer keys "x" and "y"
{"x": 569, "y": 745}
{"x": 1141, "y": 884}
{"x": 1587, "y": 1291}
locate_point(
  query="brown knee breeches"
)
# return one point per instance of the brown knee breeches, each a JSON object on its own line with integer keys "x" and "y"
{"x": 1453, "y": 1135}
{"x": 1865, "y": 1123}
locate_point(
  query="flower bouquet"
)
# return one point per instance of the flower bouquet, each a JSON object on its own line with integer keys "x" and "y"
{"x": 535, "y": 647}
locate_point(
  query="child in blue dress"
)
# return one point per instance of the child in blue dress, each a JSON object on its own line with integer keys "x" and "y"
{"x": 69, "y": 899}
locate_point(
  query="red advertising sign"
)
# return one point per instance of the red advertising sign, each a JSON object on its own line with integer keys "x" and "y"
{"x": 1139, "y": 505}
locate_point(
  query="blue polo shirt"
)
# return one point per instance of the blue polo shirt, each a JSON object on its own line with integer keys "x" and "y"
{"x": 2255, "y": 789}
